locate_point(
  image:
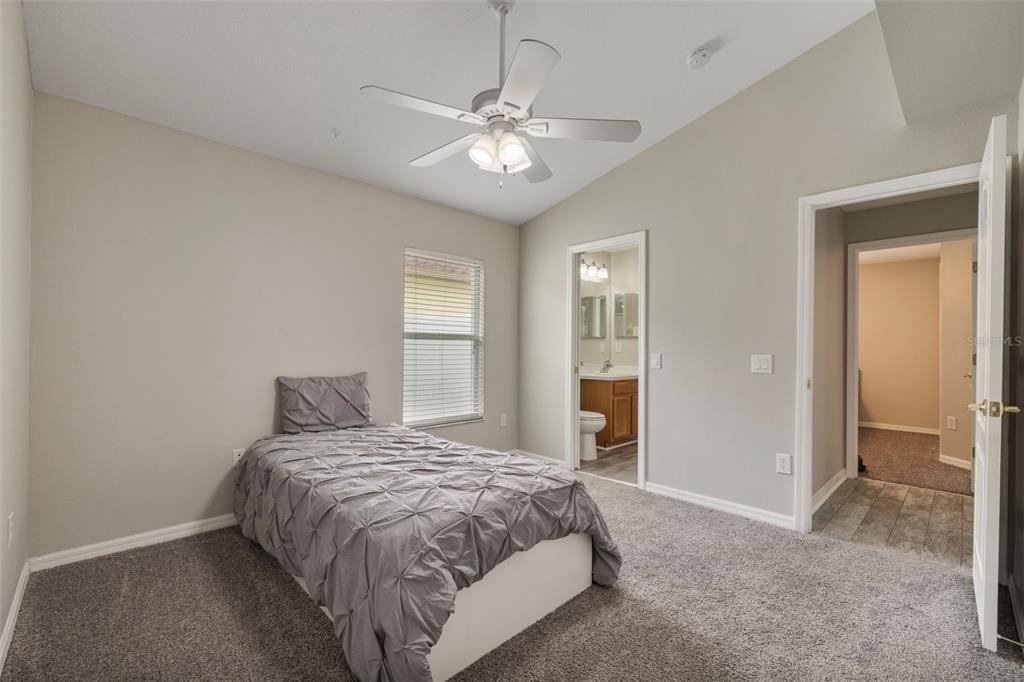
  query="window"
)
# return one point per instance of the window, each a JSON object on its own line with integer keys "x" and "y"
{"x": 444, "y": 339}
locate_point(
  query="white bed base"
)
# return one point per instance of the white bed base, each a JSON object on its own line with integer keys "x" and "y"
{"x": 516, "y": 594}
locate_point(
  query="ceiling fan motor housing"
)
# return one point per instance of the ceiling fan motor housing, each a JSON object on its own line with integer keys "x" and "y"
{"x": 486, "y": 104}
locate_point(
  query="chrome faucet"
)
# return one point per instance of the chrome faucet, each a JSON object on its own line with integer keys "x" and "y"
{"x": 606, "y": 366}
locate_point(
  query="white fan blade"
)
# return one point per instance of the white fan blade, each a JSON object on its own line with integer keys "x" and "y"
{"x": 583, "y": 129}
{"x": 444, "y": 151}
{"x": 419, "y": 104}
{"x": 532, "y": 63}
{"x": 538, "y": 170}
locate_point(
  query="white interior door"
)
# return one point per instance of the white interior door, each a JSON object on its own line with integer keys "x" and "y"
{"x": 988, "y": 383}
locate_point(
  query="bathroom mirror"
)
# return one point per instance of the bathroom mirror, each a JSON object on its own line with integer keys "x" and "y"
{"x": 593, "y": 313}
{"x": 627, "y": 316}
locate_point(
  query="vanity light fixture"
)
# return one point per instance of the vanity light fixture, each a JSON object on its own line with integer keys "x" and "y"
{"x": 593, "y": 273}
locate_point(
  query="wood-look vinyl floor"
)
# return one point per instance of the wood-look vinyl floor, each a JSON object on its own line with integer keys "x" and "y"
{"x": 618, "y": 464}
{"x": 928, "y": 524}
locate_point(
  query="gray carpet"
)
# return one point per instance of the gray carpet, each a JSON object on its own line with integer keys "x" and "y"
{"x": 911, "y": 459}
{"x": 703, "y": 595}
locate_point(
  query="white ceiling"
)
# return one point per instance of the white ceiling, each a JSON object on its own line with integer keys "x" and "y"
{"x": 899, "y": 254}
{"x": 947, "y": 56}
{"x": 277, "y": 77}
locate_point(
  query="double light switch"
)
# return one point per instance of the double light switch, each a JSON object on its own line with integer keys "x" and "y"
{"x": 761, "y": 364}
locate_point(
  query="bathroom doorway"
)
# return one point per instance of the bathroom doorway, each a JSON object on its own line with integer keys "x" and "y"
{"x": 606, "y": 381}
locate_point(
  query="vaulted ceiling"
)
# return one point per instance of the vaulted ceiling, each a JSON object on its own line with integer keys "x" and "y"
{"x": 947, "y": 56}
{"x": 283, "y": 78}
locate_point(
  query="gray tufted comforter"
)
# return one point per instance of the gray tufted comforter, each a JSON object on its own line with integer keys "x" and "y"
{"x": 385, "y": 523}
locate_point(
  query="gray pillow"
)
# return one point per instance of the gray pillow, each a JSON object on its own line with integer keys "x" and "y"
{"x": 323, "y": 403}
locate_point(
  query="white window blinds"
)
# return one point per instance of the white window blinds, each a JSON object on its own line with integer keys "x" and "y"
{"x": 444, "y": 339}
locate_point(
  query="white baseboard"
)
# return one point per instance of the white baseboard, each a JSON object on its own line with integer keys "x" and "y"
{"x": 182, "y": 530}
{"x": 611, "y": 448}
{"x": 954, "y": 461}
{"x": 826, "y": 490}
{"x": 12, "y": 614}
{"x": 743, "y": 510}
{"x": 552, "y": 460}
{"x": 899, "y": 427}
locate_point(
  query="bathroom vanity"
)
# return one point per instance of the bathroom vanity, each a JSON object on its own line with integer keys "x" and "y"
{"x": 616, "y": 398}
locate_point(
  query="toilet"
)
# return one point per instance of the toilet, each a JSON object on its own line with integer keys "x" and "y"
{"x": 590, "y": 424}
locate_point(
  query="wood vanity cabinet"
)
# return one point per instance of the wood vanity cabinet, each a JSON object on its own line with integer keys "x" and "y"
{"x": 618, "y": 402}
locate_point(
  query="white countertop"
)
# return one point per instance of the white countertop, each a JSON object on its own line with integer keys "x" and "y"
{"x": 613, "y": 374}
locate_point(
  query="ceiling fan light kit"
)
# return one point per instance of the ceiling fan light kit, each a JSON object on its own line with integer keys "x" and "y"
{"x": 505, "y": 115}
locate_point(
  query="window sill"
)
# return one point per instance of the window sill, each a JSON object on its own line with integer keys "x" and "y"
{"x": 442, "y": 424}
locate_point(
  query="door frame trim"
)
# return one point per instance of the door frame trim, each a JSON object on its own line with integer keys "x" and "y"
{"x": 807, "y": 208}
{"x": 852, "y": 360}
{"x": 572, "y": 384}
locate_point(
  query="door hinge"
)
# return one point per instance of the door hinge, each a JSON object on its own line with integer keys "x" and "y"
{"x": 974, "y": 266}
{"x": 808, "y": 384}
{"x": 974, "y": 358}
{"x": 972, "y": 452}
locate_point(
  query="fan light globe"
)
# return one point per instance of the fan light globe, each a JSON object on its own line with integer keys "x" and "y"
{"x": 482, "y": 151}
{"x": 510, "y": 149}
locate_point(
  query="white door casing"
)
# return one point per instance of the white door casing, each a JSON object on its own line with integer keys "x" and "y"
{"x": 988, "y": 382}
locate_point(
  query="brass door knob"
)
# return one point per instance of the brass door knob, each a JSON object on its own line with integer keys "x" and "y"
{"x": 978, "y": 407}
{"x": 968, "y": 376}
{"x": 996, "y": 408}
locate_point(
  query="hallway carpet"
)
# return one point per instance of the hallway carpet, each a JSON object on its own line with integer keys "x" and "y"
{"x": 702, "y": 596}
{"x": 910, "y": 459}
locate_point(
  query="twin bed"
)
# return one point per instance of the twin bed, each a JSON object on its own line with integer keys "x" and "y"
{"x": 425, "y": 553}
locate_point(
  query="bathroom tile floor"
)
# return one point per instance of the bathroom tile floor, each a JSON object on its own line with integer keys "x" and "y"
{"x": 904, "y": 520}
{"x": 618, "y": 464}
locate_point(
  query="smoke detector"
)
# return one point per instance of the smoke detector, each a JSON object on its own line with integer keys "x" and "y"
{"x": 699, "y": 57}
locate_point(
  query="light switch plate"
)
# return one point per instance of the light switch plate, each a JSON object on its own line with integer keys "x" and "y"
{"x": 951, "y": 424}
{"x": 762, "y": 364}
{"x": 504, "y": 420}
{"x": 655, "y": 360}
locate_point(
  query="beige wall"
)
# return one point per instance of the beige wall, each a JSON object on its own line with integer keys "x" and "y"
{"x": 174, "y": 278}
{"x": 829, "y": 390}
{"x": 956, "y": 301}
{"x": 898, "y": 330}
{"x": 623, "y": 276}
{"x": 719, "y": 201}
{"x": 595, "y": 351}
{"x": 15, "y": 221}
{"x": 938, "y": 214}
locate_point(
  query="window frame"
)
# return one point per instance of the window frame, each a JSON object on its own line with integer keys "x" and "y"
{"x": 477, "y": 337}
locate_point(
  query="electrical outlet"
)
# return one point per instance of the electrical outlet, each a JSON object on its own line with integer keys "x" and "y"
{"x": 655, "y": 360}
{"x": 10, "y": 530}
{"x": 504, "y": 420}
{"x": 951, "y": 424}
{"x": 236, "y": 456}
{"x": 783, "y": 463}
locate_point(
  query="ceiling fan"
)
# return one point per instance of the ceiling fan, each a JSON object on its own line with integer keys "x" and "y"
{"x": 505, "y": 115}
